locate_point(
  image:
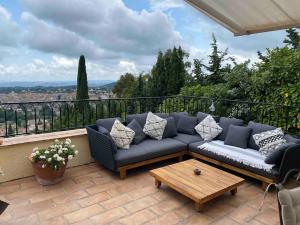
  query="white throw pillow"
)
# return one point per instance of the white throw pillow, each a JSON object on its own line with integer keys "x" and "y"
{"x": 208, "y": 128}
{"x": 154, "y": 126}
{"x": 268, "y": 141}
{"x": 121, "y": 134}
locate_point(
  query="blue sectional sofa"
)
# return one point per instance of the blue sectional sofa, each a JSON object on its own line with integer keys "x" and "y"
{"x": 246, "y": 160}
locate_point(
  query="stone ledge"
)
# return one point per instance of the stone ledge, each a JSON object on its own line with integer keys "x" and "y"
{"x": 42, "y": 137}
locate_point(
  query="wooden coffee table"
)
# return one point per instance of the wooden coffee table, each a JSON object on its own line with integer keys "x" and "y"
{"x": 210, "y": 184}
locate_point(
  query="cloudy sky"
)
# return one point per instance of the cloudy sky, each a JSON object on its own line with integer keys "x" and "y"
{"x": 41, "y": 40}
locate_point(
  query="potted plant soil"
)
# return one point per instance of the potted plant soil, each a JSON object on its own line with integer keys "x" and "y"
{"x": 49, "y": 164}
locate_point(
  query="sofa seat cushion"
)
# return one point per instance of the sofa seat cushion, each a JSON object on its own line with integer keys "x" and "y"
{"x": 148, "y": 149}
{"x": 188, "y": 138}
{"x": 248, "y": 159}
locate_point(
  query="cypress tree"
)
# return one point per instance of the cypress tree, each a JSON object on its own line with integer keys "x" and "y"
{"x": 82, "y": 85}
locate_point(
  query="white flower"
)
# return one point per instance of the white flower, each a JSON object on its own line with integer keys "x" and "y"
{"x": 68, "y": 141}
{"x": 37, "y": 152}
{"x": 56, "y": 141}
{"x": 46, "y": 152}
{"x": 35, "y": 149}
{"x": 72, "y": 146}
{"x": 32, "y": 154}
{"x": 65, "y": 149}
{"x": 55, "y": 155}
{"x": 43, "y": 166}
{"x": 70, "y": 157}
{"x": 42, "y": 157}
{"x": 76, "y": 152}
{"x": 60, "y": 151}
{"x": 49, "y": 160}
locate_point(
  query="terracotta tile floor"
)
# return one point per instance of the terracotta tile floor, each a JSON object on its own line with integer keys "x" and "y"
{"x": 91, "y": 194}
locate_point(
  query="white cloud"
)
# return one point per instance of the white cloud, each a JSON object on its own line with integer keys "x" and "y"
{"x": 9, "y": 30}
{"x": 112, "y": 27}
{"x": 165, "y": 4}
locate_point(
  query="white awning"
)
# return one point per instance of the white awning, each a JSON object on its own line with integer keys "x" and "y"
{"x": 251, "y": 16}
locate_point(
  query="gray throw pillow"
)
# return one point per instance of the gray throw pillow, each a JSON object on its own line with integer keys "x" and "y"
{"x": 225, "y": 123}
{"x": 139, "y": 134}
{"x": 170, "y": 129}
{"x": 237, "y": 136}
{"x": 290, "y": 138}
{"x": 256, "y": 129}
{"x": 177, "y": 115}
{"x": 201, "y": 116}
{"x": 186, "y": 125}
{"x": 106, "y": 123}
{"x": 140, "y": 118}
{"x": 275, "y": 157}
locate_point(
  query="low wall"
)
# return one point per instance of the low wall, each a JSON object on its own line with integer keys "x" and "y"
{"x": 14, "y": 152}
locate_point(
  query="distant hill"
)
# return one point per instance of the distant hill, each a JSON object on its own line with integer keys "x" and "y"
{"x": 28, "y": 84}
{"x": 109, "y": 86}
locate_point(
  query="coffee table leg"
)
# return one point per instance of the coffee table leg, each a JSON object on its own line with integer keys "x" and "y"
{"x": 198, "y": 206}
{"x": 157, "y": 183}
{"x": 233, "y": 191}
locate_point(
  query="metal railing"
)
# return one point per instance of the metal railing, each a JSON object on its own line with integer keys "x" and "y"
{"x": 41, "y": 117}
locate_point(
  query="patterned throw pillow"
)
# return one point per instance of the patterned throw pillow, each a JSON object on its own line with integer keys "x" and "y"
{"x": 154, "y": 126}
{"x": 208, "y": 128}
{"x": 121, "y": 135}
{"x": 268, "y": 141}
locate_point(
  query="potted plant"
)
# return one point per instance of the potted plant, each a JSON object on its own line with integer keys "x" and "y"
{"x": 49, "y": 164}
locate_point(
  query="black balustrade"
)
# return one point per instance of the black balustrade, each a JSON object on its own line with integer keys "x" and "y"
{"x": 41, "y": 117}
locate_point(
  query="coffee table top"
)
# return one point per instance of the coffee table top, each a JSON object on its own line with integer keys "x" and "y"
{"x": 211, "y": 183}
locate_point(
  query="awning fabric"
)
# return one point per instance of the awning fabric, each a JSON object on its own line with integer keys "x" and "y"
{"x": 251, "y": 16}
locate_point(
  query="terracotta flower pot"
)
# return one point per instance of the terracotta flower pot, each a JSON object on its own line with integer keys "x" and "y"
{"x": 48, "y": 176}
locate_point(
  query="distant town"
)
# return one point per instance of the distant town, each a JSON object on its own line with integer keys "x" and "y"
{"x": 51, "y": 93}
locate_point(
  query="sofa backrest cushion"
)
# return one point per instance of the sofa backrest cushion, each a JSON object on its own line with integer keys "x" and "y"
{"x": 186, "y": 124}
{"x": 103, "y": 130}
{"x": 170, "y": 129}
{"x": 237, "y": 136}
{"x": 290, "y": 138}
{"x": 177, "y": 115}
{"x": 201, "y": 116}
{"x": 139, "y": 134}
{"x": 106, "y": 123}
{"x": 140, "y": 118}
{"x": 257, "y": 128}
{"x": 225, "y": 122}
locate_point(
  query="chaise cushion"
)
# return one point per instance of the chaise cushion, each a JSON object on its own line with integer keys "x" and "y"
{"x": 248, "y": 159}
{"x": 178, "y": 115}
{"x": 187, "y": 138}
{"x": 106, "y": 123}
{"x": 257, "y": 128}
{"x": 225, "y": 123}
{"x": 148, "y": 149}
{"x": 237, "y": 136}
{"x": 138, "y": 130}
{"x": 170, "y": 129}
{"x": 186, "y": 125}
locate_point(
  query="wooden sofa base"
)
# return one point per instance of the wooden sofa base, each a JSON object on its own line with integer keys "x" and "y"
{"x": 265, "y": 181}
{"x": 122, "y": 170}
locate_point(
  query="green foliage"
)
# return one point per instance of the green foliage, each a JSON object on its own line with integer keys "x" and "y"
{"x": 292, "y": 38}
{"x": 82, "y": 86}
{"x": 215, "y": 91}
{"x": 125, "y": 85}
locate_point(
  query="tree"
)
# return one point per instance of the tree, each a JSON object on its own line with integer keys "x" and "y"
{"x": 199, "y": 75}
{"x": 215, "y": 67}
{"x": 125, "y": 86}
{"x": 82, "y": 85}
{"x": 292, "y": 38}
